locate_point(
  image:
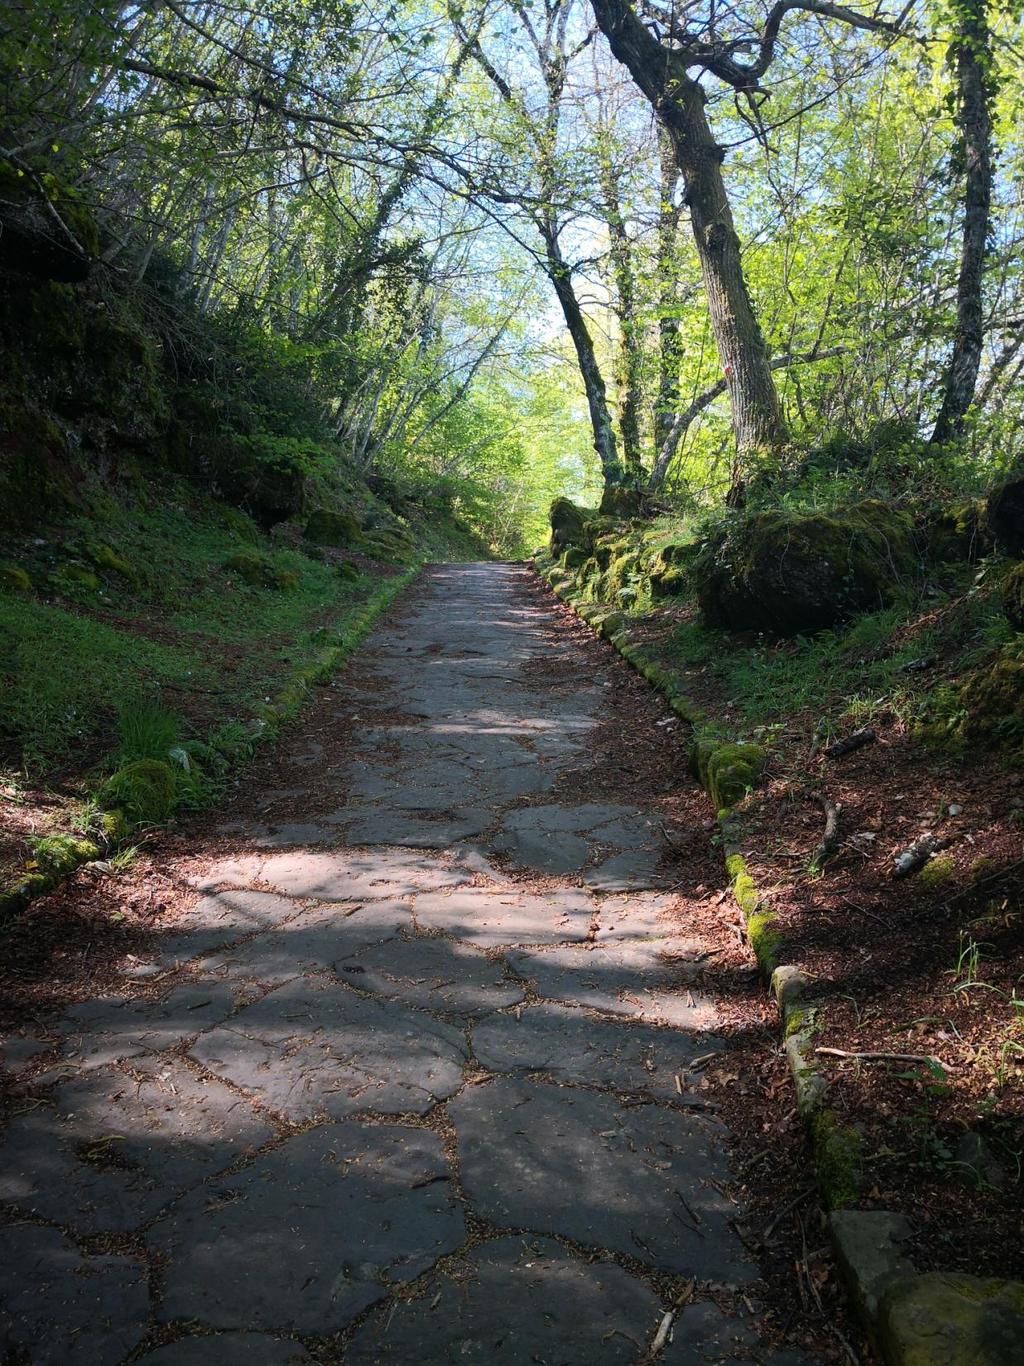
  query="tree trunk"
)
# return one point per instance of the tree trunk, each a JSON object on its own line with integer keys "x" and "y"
{"x": 593, "y": 380}
{"x": 667, "y": 401}
{"x": 678, "y": 103}
{"x": 628, "y": 359}
{"x": 972, "y": 49}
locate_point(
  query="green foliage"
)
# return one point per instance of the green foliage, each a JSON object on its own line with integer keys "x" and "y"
{"x": 147, "y": 730}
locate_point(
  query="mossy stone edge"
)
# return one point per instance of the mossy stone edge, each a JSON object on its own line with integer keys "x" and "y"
{"x": 115, "y": 824}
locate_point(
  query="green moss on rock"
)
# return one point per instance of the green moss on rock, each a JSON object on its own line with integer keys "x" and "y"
{"x": 1004, "y": 508}
{"x": 339, "y": 529}
{"x": 259, "y": 572}
{"x": 992, "y": 702}
{"x": 59, "y": 854}
{"x": 107, "y": 560}
{"x": 788, "y": 573}
{"x": 14, "y": 579}
{"x": 1013, "y": 597}
{"x": 567, "y": 524}
{"x": 730, "y": 770}
{"x": 837, "y": 1153}
{"x": 347, "y": 571}
{"x": 76, "y": 576}
{"x": 952, "y": 1319}
{"x": 145, "y": 790}
{"x": 936, "y": 872}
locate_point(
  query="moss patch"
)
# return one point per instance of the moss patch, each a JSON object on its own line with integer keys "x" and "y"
{"x": 14, "y": 580}
{"x": 146, "y": 790}
{"x": 788, "y": 573}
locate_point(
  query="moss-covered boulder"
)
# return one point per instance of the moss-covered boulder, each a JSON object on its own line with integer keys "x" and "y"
{"x": 991, "y": 701}
{"x": 951, "y": 1319}
{"x": 567, "y": 524}
{"x": 789, "y": 573}
{"x": 107, "y": 560}
{"x": 13, "y": 579}
{"x": 574, "y": 558}
{"x": 1013, "y": 597}
{"x": 1004, "y": 510}
{"x": 75, "y": 578}
{"x": 259, "y": 572}
{"x": 339, "y": 529}
{"x": 145, "y": 790}
{"x": 959, "y": 531}
{"x": 347, "y": 571}
{"x": 727, "y": 771}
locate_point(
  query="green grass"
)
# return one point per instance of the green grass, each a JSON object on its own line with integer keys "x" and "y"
{"x": 856, "y": 670}
{"x": 164, "y": 653}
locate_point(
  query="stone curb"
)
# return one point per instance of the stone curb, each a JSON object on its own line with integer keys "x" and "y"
{"x": 911, "y": 1318}
{"x": 282, "y": 708}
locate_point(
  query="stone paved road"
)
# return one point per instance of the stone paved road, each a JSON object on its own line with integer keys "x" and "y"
{"x": 381, "y": 1101}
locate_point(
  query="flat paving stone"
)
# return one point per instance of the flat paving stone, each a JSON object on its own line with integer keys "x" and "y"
{"x": 310, "y": 1234}
{"x": 578, "y": 1164}
{"x": 229, "y": 872}
{"x": 312, "y": 1048}
{"x": 219, "y": 919}
{"x": 59, "y": 1306}
{"x": 415, "y": 832}
{"x": 559, "y": 839}
{"x": 113, "y": 1149}
{"x": 229, "y": 1349}
{"x": 311, "y": 942}
{"x": 571, "y": 1046}
{"x": 619, "y": 978}
{"x": 491, "y": 918}
{"x": 384, "y": 874}
{"x": 510, "y": 1302}
{"x": 436, "y": 974}
{"x": 114, "y": 1029}
{"x": 703, "y": 1333}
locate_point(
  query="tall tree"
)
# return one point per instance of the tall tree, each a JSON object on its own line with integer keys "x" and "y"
{"x": 972, "y": 60}
{"x": 660, "y": 51}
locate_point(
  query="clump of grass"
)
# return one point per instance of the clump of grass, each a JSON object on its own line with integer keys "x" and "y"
{"x": 147, "y": 731}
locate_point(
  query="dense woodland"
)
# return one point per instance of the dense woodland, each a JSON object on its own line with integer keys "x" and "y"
{"x": 712, "y": 308}
{"x": 484, "y": 243}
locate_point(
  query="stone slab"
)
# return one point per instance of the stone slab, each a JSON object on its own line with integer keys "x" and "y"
{"x": 312, "y": 1048}
{"x": 229, "y": 1349}
{"x": 571, "y": 1046}
{"x": 59, "y": 1306}
{"x": 578, "y": 1164}
{"x": 491, "y": 919}
{"x": 435, "y": 974}
{"x": 325, "y": 1220}
{"x": 219, "y": 919}
{"x": 510, "y": 1302}
{"x": 312, "y": 941}
{"x": 113, "y": 1149}
{"x": 113, "y": 1029}
{"x": 381, "y": 874}
{"x": 619, "y": 978}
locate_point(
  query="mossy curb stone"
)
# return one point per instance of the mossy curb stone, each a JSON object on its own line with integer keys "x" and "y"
{"x": 952, "y": 1320}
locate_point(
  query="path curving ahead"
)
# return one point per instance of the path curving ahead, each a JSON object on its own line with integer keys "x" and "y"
{"x": 405, "y": 1079}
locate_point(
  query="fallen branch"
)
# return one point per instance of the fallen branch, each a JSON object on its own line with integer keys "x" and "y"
{"x": 827, "y": 844}
{"x": 857, "y": 740}
{"x": 927, "y": 1058}
{"x": 917, "y": 854}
